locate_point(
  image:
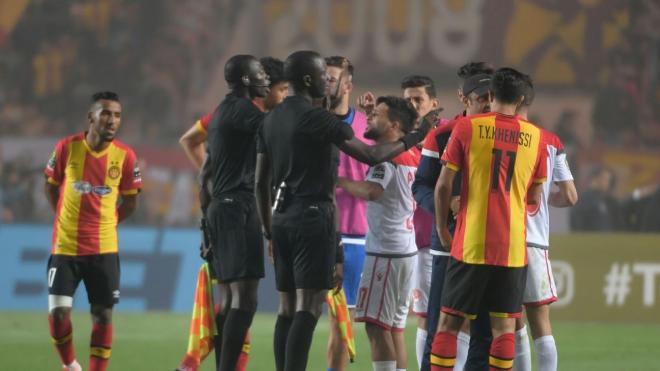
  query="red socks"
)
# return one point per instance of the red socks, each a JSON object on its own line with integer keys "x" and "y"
{"x": 443, "y": 352}
{"x": 100, "y": 347}
{"x": 502, "y": 352}
{"x": 62, "y": 335}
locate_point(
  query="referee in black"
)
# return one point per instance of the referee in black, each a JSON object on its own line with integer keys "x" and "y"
{"x": 297, "y": 153}
{"x": 236, "y": 241}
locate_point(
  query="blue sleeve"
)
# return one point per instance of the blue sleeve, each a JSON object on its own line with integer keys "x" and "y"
{"x": 423, "y": 187}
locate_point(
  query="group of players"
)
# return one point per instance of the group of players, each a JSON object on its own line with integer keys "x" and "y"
{"x": 459, "y": 227}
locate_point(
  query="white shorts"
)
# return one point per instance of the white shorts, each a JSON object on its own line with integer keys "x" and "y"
{"x": 540, "y": 288}
{"x": 384, "y": 294}
{"x": 422, "y": 282}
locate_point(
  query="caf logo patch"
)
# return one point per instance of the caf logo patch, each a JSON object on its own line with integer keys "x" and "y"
{"x": 114, "y": 172}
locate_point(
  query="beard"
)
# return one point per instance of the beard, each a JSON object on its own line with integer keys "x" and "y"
{"x": 107, "y": 137}
{"x": 371, "y": 134}
{"x": 334, "y": 101}
{"x": 260, "y": 91}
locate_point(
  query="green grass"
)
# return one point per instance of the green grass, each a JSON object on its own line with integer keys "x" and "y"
{"x": 157, "y": 341}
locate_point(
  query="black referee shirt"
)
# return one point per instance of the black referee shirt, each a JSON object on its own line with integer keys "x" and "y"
{"x": 299, "y": 140}
{"x": 232, "y": 144}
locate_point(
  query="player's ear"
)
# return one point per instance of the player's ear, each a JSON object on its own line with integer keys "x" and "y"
{"x": 435, "y": 103}
{"x": 349, "y": 86}
{"x": 245, "y": 80}
{"x": 307, "y": 80}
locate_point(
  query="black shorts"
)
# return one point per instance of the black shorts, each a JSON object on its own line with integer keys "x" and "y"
{"x": 237, "y": 242}
{"x": 304, "y": 246}
{"x": 469, "y": 286}
{"x": 100, "y": 273}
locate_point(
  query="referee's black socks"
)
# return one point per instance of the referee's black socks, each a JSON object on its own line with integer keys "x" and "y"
{"x": 299, "y": 341}
{"x": 217, "y": 339}
{"x": 282, "y": 327}
{"x": 237, "y": 323}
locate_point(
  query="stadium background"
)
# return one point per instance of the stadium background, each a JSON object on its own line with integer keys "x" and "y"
{"x": 595, "y": 65}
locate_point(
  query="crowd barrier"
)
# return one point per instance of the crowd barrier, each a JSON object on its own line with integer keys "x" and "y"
{"x": 600, "y": 277}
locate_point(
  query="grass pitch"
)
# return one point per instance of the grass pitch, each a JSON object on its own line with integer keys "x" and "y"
{"x": 157, "y": 341}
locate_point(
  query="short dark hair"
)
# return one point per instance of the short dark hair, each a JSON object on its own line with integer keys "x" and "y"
{"x": 274, "y": 68}
{"x": 529, "y": 92}
{"x": 475, "y": 68}
{"x": 399, "y": 109}
{"x": 105, "y": 95}
{"x": 299, "y": 64}
{"x": 416, "y": 81}
{"x": 339, "y": 62}
{"x": 508, "y": 84}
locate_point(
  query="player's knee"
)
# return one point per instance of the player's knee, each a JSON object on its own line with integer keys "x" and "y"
{"x": 246, "y": 301}
{"x": 287, "y": 307}
{"x": 374, "y": 331}
{"x": 59, "y": 304}
{"x": 450, "y": 323}
{"x": 311, "y": 301}
{"x": 101, "y": 314}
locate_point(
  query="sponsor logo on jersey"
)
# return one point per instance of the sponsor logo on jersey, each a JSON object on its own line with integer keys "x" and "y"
{"x": 83, "y": 188}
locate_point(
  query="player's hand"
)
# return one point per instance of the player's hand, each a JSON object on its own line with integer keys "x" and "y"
{"x": 338, "y": 277}
{"x": 454, "y": 205}
{"x": 431, "y": 118}
{"x": 445, "y": 237}
{"x": 367, "y": 102}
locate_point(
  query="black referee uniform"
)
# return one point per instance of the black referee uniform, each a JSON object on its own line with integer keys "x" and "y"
{"x": 299, "y": 140}
{"x": 232, "y": 215}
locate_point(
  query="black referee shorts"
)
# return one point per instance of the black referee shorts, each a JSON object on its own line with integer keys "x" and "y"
{"x": 237, "y": 242}
{"x": 304, "y": 246}
{"x": 469, "y": 287}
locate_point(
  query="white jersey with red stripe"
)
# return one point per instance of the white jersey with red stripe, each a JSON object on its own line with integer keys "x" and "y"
{"x": 538, "y": 216}
{"x": 390, "y": 217}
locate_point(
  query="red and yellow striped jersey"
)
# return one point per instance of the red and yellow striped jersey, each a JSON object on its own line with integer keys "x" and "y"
{"x": 89, "y": 184}
{"x": 500, "y": 156}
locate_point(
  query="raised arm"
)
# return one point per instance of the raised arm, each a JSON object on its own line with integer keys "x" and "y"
{"x": 375, "y": 154}
{"x": 371, "y": 155}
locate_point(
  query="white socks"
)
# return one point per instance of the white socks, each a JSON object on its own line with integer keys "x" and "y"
{"x": 384, "y": 365}
{"x": 74, "y": 366}
{"x": 523, "y": 360}
{"x": 546, "y": 353}
{"x": 462, "y": 347}
{"x": 420, "y": 343}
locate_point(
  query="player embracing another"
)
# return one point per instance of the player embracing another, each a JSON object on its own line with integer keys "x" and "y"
{"x": 92, "y": 183}
{"x": 503, "y": 164}
{"x": 387, "y": 278}
{"x": 540, "y": 289}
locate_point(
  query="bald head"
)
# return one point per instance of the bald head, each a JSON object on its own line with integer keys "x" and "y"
{"x": 305, "y": 70}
